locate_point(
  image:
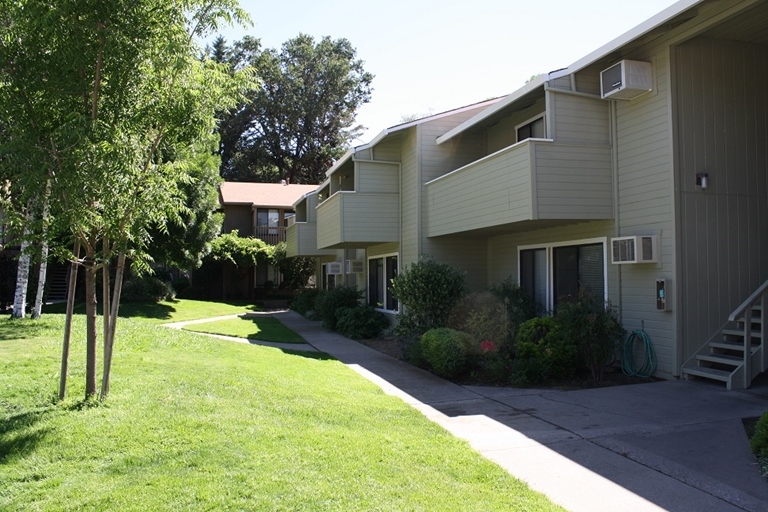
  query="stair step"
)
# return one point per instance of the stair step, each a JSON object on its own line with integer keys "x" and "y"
{"x": 721, "y": 359}
{"x": 740, "y": 332}
{"x": 727, "y": 345}
{"x": 708, "y": 373}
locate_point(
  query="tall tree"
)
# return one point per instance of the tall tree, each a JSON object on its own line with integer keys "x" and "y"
{"x": 302, "y": 116}
{"x": 93, "y": 90}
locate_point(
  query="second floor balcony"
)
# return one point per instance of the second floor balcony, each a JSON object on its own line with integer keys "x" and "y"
{"x": 536, "y": 180}
{"x": 358, "y": 219}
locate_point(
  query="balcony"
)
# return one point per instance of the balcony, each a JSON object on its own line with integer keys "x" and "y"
{"x": 270, "y": 234}
{"x": 301, "y": 240}
{"x": 358, "y": 219}
{"x": 536, "y": 180}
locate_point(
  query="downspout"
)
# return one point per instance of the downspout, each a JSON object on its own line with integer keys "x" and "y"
{"x": 614, "y": 130}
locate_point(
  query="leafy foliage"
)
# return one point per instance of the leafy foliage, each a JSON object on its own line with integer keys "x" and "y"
{"x": 483, "y": 316}
{"x": 361, "y": 322}
{"x": 591, "y": 326}
{"x": 445, "y": 350}
{"x": 147, "y": 288}
{"x": 429, "y": 291}
{"x": 759, "y": 440}
{"x": 519, "y": 304}
{"x": 305, "y": 301}
{"x": 296, "y": 270}
{"x": 328, "y": 303}
{"x": 543, "y": 353}
{"x": 301, "y": 117}
{"x": 241, "y": 251}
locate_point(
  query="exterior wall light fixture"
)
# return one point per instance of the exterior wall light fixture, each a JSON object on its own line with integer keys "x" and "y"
{"x": 701, "y": 180}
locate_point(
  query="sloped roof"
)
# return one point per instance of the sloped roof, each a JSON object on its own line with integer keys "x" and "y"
{"x": 274, "y": 195}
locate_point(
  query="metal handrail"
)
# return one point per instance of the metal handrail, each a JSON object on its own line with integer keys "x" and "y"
{"x": 747, "y": 304}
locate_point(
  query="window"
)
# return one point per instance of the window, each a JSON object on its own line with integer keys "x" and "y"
{"x": 381, "y": 272}
{"x": 553, "y": 273}
{"x": 532, "y": 129}
{"x": 268, "y": 218}
{"x": 329, "y": 280}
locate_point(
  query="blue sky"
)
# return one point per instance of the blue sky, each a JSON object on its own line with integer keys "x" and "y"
{"x": 430, "y": 56}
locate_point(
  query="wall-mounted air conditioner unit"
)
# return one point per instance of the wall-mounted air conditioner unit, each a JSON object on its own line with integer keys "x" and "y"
{"x": 626, "y": 80}
{"x": 354, "y": 267}
{"x": 333, "y": 268}
{"x": 635, "y": 249}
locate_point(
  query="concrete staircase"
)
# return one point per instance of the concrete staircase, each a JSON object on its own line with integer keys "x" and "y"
{"x": 738, "y": 355}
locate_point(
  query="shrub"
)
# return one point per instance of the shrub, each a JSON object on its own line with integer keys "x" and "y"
{"x": 180, "y": 284}
{"x": 519, "y": 304}
{"x": 361, "y": 322}
{"x": 591, "y": 325}
{"x": 146, "y": 289}
{"x": 445, "y": 350}
{"x": 483, "y": 316}
{"x": 759, "y": 440}
{"x": 429, "y": 291}
{"x": 543, "y": 353}
{"x": 305, "y": 301}
{"x": 328, "y": 301}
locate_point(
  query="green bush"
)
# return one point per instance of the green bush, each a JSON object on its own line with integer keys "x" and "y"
{"x": 428, "y": 290}
{"x": 543, "y": 353}
{"x": 591, "y": 325}
{"x": 759, "y": 440}
{"x": 445, "y": 350}
{"x": 328, "y": 301}
{"x": 146, "y": 289}
{"x": 361, "y": 322}
{"x": 519, "y": 304}
{"x": 305, "y": 301}
{"x": 483, "y": 316}
{"x": 180, "y": 284}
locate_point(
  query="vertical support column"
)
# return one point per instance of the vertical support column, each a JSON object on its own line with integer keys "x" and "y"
{"x": 747, "y": 347}
{"x": 763, "y": 333}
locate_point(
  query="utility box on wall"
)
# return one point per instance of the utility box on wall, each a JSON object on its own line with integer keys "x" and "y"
{"x": 662, "y": 295}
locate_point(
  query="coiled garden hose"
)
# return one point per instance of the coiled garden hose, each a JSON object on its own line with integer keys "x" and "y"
{"x": 628, "y": 365}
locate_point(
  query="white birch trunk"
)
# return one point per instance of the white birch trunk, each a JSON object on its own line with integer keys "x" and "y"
{"x": 42, "y": 274}
{"x": 22, "y": 279}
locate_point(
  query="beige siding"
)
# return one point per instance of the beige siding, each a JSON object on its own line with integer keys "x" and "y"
{"x": 388, "y": 150}
{"x": 579, "y": 119}
{"x": 504, "y": 134}
{"x": 722, "y": 128}
{"x": 350, "y": 218}
{"x": 376, "y": 177}
{"x": 381, "y": 249}
{"x": 646, "y": 207}
{"x": 301, "y": 240}
{"x": 532, "y": 180}
{"x": 409, "y": 196}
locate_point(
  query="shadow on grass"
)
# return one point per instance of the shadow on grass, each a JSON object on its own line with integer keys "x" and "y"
{"x": 19, "y": 433}
{"x": 14, "y": 328}
{"x": 320, "y": 356}
{"x": 155, "y": 310}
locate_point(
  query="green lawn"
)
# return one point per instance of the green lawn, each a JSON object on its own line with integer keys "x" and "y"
{"x": 260, "y": 327}
{"x": 198, "y": 424}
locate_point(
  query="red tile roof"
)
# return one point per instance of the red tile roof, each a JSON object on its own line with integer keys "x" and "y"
{"x": 262, "y": 194}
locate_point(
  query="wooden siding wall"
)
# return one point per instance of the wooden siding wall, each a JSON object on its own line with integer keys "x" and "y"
{"x": 329, "y": 222}
{"x": 579, "y": 119}
{"x": 377, "y": 177}
{"x": 388, "y": 150}
{"x": 503, "y": 134}
{"x": 238, "y": 217}
{"x": 722, "y": 129}
{"x": 409, "y": 198}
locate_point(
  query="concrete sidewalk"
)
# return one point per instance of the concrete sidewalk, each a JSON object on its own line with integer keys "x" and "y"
{"x": 672, "y": 445}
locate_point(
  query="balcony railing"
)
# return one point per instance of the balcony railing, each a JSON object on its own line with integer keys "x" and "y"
{"x": 269, "y": 234}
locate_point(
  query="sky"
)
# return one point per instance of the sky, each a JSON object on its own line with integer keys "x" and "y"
{"x": 429, "y": 56}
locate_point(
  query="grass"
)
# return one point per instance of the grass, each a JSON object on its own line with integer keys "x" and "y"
{"x": 177, "y": 310}
{"x": 198, "y": 424}
{"x": 261, "y": 327}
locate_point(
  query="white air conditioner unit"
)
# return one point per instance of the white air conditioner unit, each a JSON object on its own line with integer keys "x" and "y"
{"x": 626, "y": 80}
{"x": 635, "y": 249}
{"x": 354, "y": 267}
{"x": 333, "y": 268}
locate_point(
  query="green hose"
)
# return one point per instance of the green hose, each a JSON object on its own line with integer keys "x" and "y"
{"x": 628, "y": 365}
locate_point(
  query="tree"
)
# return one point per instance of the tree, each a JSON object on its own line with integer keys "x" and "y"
{"x": 184, "y": 244}
{"x": 93, "y": 92}
{"x": 301, "y": 117}
{"x": 296, "y": 270}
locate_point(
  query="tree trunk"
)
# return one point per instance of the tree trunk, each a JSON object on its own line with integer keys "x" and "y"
{"x": 41, "y": 277}
{"x": 109, "y": 331}
{"x": 22, "y": 278}
{"x": 71, "y": 288}
{"x": 90, "y": 327}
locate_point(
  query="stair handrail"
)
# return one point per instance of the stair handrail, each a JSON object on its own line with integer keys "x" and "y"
{"x": 747, "y": 304}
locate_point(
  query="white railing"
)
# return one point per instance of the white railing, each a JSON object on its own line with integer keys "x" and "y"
{"x": 744, "y": 314}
